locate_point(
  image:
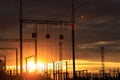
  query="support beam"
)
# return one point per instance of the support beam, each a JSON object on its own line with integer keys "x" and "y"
{"x": 46, "y": 22}
{"x": 16, "y": 40}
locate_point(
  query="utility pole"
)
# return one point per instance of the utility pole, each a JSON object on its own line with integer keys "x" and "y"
{"x": 16, "y": 61}
{"x": 73, "y": 38}
{"x": 102, "y": 61}
{"x": 60, "y": 61}
{"x": 20, "y": 25}
{"x": 34, "y": 36}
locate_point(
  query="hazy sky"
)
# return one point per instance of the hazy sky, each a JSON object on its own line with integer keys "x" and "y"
{"x": 101, "y": 25}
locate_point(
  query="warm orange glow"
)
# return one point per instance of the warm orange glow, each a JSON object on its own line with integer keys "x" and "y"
{"x": 92, "y": 66}
{"x": 40, "y": 67}
{"x": 31, "y": 66}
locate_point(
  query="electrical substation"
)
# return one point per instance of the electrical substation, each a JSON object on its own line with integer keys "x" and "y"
{"x": 50, "y": 50}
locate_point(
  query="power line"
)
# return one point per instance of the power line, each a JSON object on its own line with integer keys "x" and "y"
{"x": 16, "y": 40}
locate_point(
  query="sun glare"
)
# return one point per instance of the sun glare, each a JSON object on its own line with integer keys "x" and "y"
{"x": 31, "y": 66}
{"x": 40, "y": 67}
{"x": 80, "y": 65}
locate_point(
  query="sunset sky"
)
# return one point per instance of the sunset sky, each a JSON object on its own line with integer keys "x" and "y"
{"x": 97, "y": 24}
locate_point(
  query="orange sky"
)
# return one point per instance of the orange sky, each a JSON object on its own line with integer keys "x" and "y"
{"x": 99, "y": 28}
{"x": 91, "y": 66}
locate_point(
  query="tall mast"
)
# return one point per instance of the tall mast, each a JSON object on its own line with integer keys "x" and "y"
{"x": 73, "y": 38}
{"x": 102, "y": 61}
{"x": 20, "y": 25}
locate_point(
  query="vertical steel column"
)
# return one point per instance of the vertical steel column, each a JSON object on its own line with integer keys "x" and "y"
{"x": 60, "y": 60}
{"x": 66, "y": 70}
{"x": 53, "y": 70}
{"x": 20, "y": 22}
{"x": 102, "y": 61}
{"x": 73, "y": 38}
{"x": 26, "y": 64}
{"x": 16, "y": 61}
{"x": 36, "y": 47}
{"x": 60, "y": 51}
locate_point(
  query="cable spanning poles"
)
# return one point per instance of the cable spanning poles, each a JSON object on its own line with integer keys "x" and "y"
{"x": 37, "y": 22}
{"x": 71, "y": 22}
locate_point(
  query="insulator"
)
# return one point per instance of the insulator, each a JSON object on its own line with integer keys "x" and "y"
{"x": 61, "y": 37}
{"x": 34, "y": 35}
{"x": 47, "y": 36}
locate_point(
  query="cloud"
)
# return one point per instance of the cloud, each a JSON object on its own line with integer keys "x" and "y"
{"x": 100, "y": 8}
{"x": 101, "y": 26}
{"x": 98, "y": 44}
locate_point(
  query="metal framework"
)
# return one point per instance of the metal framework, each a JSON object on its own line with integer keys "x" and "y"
{"x": 27, "y": 61}
{"x": 41, "y": 22}
{"x": 4, "y": 60}
{"x": 72, "y": 22}
{"x": 16, "y": 56}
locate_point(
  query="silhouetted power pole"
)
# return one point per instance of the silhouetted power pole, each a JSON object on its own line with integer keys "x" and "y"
{"x": 73, "y": 38}
{"x": 20, "y": 25}
{"x": 102, "y": 61}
